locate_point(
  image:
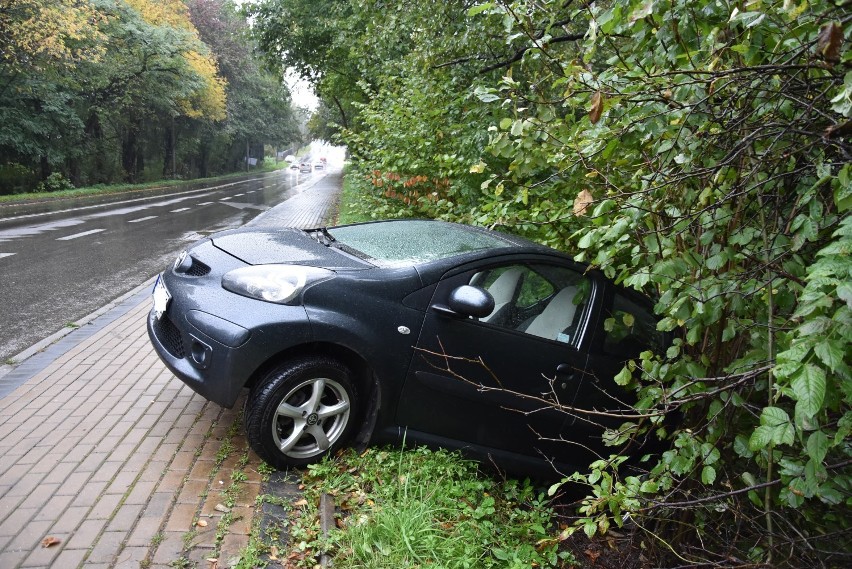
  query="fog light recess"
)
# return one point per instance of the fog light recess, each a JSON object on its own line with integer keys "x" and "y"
{"x": 200, "y": 353}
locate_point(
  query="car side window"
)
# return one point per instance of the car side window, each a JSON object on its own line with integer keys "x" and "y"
{"x": 630, "y": 328}
{"x": 540, "y": 300}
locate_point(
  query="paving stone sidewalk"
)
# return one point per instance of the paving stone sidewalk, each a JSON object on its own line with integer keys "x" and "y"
{"x": 107, "y": 460}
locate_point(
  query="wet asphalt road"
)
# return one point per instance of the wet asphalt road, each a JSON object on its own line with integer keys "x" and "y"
{"x": 63, "y": 260}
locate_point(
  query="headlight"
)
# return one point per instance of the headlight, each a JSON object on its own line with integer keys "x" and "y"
{"x": 273, "y": 283}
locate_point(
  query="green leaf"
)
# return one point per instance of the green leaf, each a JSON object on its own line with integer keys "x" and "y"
{"x": 817, "y": 446}
{"x": 708, "y": 475}
{"x": 775, "y": 428}
{"x": 623, "y": 377}
{"x": 844, "y": 293}
{"x": 760, "y": 438}
{"x": 809, "y": 386}
{"x": 831, "y": 353}
{"x": 479, "y": 8}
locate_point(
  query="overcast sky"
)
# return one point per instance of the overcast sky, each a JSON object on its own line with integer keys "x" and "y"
{"x": 302, "y": 92}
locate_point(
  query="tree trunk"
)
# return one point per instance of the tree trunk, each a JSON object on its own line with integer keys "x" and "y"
{"x": 95, "y": 136}
{"x": 132, "y": 157}
{"x": 203, "y": 157}
{"x": 45, "y": 167}
{"x": 169, "y": 150}
{"x": 128, "y": 153}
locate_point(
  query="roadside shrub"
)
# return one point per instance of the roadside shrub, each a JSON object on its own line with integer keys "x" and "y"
{"x": 55, "y": 182}
{"x": 16, "y": 179}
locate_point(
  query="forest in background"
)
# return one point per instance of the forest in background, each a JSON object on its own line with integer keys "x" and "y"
{"x": 696, "y": 151}
{"x": 104, "y": 91}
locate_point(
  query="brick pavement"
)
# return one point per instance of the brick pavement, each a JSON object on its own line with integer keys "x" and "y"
{"x": 104, "y": 451}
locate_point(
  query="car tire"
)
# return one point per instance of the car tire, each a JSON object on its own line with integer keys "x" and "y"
{"x": 301, "y": 411}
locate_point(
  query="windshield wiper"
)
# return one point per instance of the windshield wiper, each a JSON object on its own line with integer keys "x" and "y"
{"x": 322, "y": 236}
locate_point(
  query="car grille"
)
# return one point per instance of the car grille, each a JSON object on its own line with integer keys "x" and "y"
{"x": 169, "y": 336}
{"x": 197, "y": 269}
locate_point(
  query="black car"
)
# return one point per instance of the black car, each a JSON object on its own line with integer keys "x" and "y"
{"x": 441, "y": 334}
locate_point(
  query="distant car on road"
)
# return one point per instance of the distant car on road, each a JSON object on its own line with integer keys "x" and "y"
{"x": 305, "y": 168}
{"x": 432, "y": 332}
{"x": 319, "y": 166}
{"x": 294, "y": 167}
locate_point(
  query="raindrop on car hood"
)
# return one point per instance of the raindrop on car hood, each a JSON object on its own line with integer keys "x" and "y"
{"x": 289, "y": 245}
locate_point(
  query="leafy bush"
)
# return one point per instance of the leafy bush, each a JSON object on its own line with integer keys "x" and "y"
{"x": 15, "y": 178}
{"x": 55, "y": 182}
{"x": 709, "y": 182}
{"x": 697, "y": 151}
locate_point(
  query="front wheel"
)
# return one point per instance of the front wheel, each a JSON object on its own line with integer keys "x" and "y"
{"x": 301, "y": 411}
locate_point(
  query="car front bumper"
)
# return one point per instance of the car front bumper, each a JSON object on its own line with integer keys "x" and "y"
{"x": 217, "y": 354}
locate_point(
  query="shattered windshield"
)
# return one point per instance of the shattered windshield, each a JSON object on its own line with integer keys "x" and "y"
{"x": 412, "y": 242}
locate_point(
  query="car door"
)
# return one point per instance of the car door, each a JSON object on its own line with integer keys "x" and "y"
{"x": 492, "y": 381}
{"x": 627, "y": 327}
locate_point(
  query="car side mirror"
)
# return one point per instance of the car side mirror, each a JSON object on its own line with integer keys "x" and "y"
{"x": 468, "y": 300}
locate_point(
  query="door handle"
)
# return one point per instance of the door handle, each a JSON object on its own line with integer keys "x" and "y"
{"x": 565, "y": 373}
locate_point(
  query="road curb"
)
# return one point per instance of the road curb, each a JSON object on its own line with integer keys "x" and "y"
{"x": 42, "y": 345}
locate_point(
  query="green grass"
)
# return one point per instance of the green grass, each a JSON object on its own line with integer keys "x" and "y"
{"x": 104, "y": 189}
{"x": 355, "y": 205}
{"x": 423, "y": 508}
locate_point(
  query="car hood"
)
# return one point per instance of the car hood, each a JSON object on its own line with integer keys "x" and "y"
{"x": 288, "y": 245}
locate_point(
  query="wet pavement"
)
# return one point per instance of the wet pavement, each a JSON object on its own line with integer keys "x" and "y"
{"x": 60, "y": 265}
{"x": 107, "y": 460}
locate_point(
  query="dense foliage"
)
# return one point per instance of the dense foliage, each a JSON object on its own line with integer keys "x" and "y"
{"x": 97, "y": 91}
{"x": 697, "y": 151}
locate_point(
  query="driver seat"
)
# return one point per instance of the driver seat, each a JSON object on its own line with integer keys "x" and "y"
{"x": 504, "y": 290}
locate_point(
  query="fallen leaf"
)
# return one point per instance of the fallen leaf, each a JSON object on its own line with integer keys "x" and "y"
{"x": 49, "y": 541}
{"x": 592, "y": 555}
{"x": 221, "y": 508}
{"x": 582, "y": 202}
{"x": 829, "y": 40}
{"x": 300, "y": 503}
{"x": 273, "y": 553}
{"x": 201, "y": 523}
{"x": 597, "y": 107}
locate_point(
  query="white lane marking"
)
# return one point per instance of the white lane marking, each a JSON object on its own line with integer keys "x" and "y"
{"x": 189, "y": 193}
{"x": 223, "y": 199}
{"x": 180, "y": 210}
{"x": 142, "y": 219}
{"x": 83, "y": 234}
{"x": 238, "y": 195}
{"x": 5, "y": 255}
{"x": 9, "y": 234}
{"x": 206, "y": 203}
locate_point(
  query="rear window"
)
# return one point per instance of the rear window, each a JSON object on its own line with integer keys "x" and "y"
{"x": 413, "y": 242}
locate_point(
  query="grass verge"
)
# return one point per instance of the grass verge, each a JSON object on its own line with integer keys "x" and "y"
{"x": 421, "y": 508}
{"x": 355, "y": 205}
{"x": 268, "y": 166}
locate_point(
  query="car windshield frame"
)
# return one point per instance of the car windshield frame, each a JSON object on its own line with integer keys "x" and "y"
{"x": 399, "y": 243}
